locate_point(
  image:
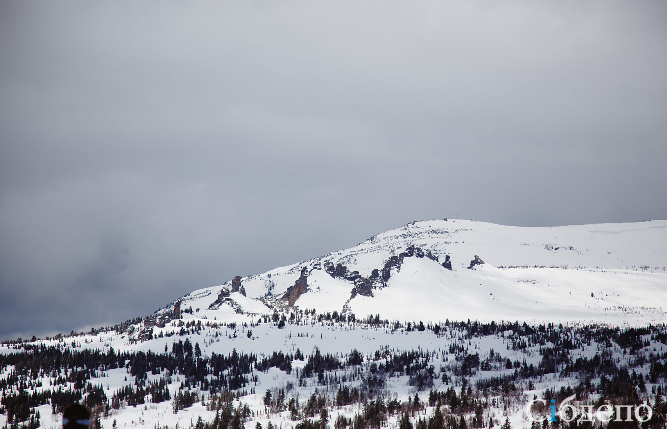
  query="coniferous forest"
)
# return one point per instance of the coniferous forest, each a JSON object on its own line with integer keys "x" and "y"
{"x": 460, "y": 384}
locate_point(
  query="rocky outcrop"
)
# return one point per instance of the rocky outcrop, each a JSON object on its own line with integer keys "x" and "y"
{"x": 397, "y": 261}
{"x": 237, "y": 286}
{"x": 341, "y": 271}
{"x": 362, "y": 285}
{"x": 300, "y": 287}
{"x": 448, "y": 263}
{"x": 393, "y": 262}
{"x": 176, "y": 314}
{"x": 225, "y": 293}
{"x": 476, "y": 261}
{"x": 222, "y": 297}
{"x": 365, "y": 285}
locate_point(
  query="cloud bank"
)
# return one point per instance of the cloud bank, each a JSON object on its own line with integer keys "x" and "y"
{"x": 151, "y": 149}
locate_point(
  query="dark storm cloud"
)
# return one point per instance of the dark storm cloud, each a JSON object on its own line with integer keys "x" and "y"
{"x": 148, "y": 149}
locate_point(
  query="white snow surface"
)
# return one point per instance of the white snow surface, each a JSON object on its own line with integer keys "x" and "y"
{"x": 601, "y": 273}
{"x": 611, "y": 274}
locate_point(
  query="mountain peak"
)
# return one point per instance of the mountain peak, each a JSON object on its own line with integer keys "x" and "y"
{"x": 461, "y": 269}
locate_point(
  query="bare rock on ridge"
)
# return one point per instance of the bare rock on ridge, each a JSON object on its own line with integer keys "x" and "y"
{"x": 300, "y": 287}
{"x": 476, "y": 261}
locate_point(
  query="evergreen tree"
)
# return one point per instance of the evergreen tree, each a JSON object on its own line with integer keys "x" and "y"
{"x": 507, "y": 424}
{"x": 405, "y": 422}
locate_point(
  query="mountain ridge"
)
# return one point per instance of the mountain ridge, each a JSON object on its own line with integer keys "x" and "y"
{"x": 249, "y": 351}
{"x": 576, "y": 273}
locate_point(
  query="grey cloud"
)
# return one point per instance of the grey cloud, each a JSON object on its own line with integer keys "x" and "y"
{"x": 149, "y": 150}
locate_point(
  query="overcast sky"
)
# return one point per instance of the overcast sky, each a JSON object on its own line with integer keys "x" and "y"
{"x": 148, "y": 149}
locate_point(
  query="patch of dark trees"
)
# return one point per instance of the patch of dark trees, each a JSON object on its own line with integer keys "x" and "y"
{"x": 71, "y": 371}
{"x": 319, "y": 364}
{"x": 226, "y": 415}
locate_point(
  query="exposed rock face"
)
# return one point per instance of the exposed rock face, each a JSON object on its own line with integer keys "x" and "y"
{"x": 225, "y": 293}
{"x": 394, "y": 261}
{"x": 177, "y": 310}
{"x": 341, "y": 271}
{"x": 397, "y": 261}
{"x": 300, "y": 287}
{"x": 476, "y": 261}
{"x": 364, "y": 286}
{"x": 222, "y": 296}
{"x": 236, "y": 284}
{"x": 448, "y": 263}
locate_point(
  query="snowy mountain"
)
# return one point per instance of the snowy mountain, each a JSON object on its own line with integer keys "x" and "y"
{"x": 609, "y": 273}
{"x": 403, "y": 331}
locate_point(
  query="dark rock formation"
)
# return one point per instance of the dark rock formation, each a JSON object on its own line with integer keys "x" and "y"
{"x": 365, "y": 285}
{"x": 236, "y": 287}
{"x": 340, "y": 271}
{"x": 394, "y": 261}
{"x": 177, "y": 310}
{"x": 222, "y": 296}
{"x": 418, "y": 252}
{"x": 236, "y": 284}
{"x": 225, "y": 293}
{"x": 476, "y": 261}
{"x": 300, "y": 287}
{"x": 330, "y": 269}
{"x": 448, "y": 263}
{"x": 362, "y": 285}
{"x": 397, "y": 261}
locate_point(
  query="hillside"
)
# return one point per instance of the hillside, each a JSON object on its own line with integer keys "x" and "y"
{"x": 608, "y": 273}
{"x": 404, "y": 331}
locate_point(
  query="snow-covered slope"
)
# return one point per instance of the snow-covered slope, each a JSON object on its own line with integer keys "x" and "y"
{"x": 610, "y": 273}
{"x": 251, "y": 341}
